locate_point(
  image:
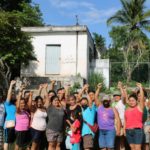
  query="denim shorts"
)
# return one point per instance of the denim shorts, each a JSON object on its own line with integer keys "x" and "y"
{"x": 135, "y": 136}
{"x": 107, "y": 138}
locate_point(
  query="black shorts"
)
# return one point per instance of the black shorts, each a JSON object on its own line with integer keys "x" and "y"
{"x": 37, "y": 135}
{"x": 1, "y": 138}
{"x": 9, "y": 135}
{"x": 23, "y": 138}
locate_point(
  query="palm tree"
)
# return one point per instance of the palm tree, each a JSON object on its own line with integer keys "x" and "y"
{"x": 136, "y": 19}
{"x": 133, "y": 15}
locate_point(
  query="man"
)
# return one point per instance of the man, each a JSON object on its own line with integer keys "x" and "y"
{"x": 89, "y": 114}
{"x": 119, "y": 104}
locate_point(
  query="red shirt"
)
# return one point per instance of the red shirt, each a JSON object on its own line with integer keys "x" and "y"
{"x": 133, "y": 118}
{"x": 76, "y": 136}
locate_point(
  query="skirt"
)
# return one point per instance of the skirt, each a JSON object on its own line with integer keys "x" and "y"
{"x": 23, "y": 138}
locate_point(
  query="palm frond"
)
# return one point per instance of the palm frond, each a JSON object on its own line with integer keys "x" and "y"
{"x": 146, "y": 14}
{"x": 119, "y": 17}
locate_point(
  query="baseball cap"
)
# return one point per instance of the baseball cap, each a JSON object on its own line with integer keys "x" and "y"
{"x": 106, "y": 97}
{"x": 117, "y": 93}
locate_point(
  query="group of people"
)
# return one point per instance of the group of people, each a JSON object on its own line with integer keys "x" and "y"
{"x": 75, "y": 121}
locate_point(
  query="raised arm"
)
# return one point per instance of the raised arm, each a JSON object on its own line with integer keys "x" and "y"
{"x": 123, "y": 92}
{"x": 118, "y": 122}
{"x": 18, "y": 99}
{"x": 9, "y": 94}
{"x": 30, "y": 99}
{"x": 67, "y": 92}
{"x": 40, "y": 89}
{"x": 141, "y": 103}
{"x": 52, "y": 84}
{"x": 89, "y": 100}
{"x": 85, "y": 88}
{"x": 46, "y": 98}
{"x": 97, "y": 102}
{"x": 45, "y": 87}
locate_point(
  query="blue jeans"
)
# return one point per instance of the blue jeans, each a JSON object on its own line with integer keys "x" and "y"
{"x": 135, "y": 136}
{"x": 107, "y": 138}
{"x": 76, "y": 146}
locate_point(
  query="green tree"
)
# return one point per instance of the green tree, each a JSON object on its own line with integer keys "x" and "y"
{"x": 134, "y": 20}
{"x": 10, "y": 5}
{"x": 15, "y": 46}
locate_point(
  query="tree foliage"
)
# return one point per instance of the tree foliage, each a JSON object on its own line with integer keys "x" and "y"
{"x": 130, "y": 36}
{"x": 100, "y": 44}
{"x": 10, "y": 5}
{"x": 15, "y": 46}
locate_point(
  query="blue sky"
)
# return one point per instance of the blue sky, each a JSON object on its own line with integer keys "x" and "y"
{"x": 92, "y": 13}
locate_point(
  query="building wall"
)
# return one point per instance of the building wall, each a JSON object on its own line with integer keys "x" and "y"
{"x": 101, "y": 66}
{"x": 67, "y": 40}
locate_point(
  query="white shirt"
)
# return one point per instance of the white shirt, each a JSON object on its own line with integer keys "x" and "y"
{"x": 120, "y": 106}
{"x": 39, "y": 120}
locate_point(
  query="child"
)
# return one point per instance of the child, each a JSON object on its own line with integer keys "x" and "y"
{"x": 75, "y": 137}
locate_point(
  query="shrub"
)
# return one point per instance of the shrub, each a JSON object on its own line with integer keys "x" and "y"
{"x": 95, "y": 78}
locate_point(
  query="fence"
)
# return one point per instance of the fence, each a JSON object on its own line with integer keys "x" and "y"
{"x": 140, "y": 74}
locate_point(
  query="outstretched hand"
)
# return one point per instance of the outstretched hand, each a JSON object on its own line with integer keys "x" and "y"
{"x": 120, "y": 85}
{"x": 53, "y": 81}
{"x": 13, "y": 82}
{"x": 139, "y": 85}
{"x": 99, "y": 86}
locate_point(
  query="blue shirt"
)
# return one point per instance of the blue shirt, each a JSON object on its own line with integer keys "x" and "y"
{"x": 10, "y": 111}
{"x": 2, "y": 114}
{"x": 89, "y": 115}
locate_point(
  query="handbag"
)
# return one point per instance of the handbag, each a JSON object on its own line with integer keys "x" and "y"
{"x": 93, "y": 128}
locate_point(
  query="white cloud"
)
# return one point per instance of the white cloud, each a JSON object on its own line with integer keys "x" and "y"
{"x": 88, "y": 13}
{"x": 98, "y": 16}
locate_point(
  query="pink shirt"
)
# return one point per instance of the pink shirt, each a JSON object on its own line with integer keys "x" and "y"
{"x": 76, "y": 136}
{"x": 22, "y": 121}
{"x": 133, "y": 118}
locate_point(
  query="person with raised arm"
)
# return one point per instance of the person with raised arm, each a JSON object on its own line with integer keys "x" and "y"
{"x": 89, "y": 116}
{"x": 55, "y": 125}
{"x": 106, "y": 116}
{"x": 38, "y": 124}
{"x": 23, "y": 117}
{"x": 119, "y": 104}
{"x": 133, "y": 124}
{"x": 10, "y": 112}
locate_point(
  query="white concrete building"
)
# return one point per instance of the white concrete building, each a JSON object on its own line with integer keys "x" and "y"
{"x": 60, "y": 51}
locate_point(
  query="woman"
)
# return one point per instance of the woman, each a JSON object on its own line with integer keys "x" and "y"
{"x": 10, "y": 112}
{"x": 22, "y": 123}
{"x": 38, "y": 125}
{"x": 54, "y": 130}
{"x": 134, "y": 120}
{"x": 106, "y": 117}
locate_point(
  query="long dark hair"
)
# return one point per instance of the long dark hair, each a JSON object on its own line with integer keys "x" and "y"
{"x": 34, "y": 108}
{"x": 26, "y": 106}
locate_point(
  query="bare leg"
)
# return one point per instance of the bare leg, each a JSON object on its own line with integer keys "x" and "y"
{"x": 34, "y": 146}
{"x": 138, "y": 146}
{"x": 146, "y": 146}
{"x": 16, "y": 147}
{"x": 58, "y": 146}
{"x": 132, "y": 146}
{"x": 52, "y": 146}
{"x": 5, "y": 146}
